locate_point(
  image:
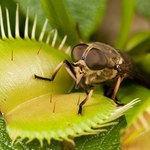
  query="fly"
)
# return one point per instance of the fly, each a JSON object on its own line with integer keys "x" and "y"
{"x": 96, "y": 63}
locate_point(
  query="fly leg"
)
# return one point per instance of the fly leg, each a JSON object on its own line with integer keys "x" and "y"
{"x": 89, "y": 94}
{"x": 119, "y": 80}
{"x": 68, "y": 67}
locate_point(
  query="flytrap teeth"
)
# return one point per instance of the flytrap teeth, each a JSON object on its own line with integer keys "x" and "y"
{"x": 80, "y": 125}
{"x": 52, "y": 36}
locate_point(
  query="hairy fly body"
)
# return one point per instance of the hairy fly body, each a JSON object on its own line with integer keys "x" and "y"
{"x": 95, "y": 63}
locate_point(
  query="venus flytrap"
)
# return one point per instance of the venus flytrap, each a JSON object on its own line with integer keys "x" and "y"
{"x": 39, "y": 109}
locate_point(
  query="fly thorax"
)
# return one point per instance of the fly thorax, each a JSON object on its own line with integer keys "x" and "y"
{"x": 100, "y": 76}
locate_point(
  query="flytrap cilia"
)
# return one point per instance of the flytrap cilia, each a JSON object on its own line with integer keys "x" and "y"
{"x": 96, "y": 63}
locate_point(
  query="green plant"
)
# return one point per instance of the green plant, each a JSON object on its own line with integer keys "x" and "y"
{"x": 32, "y": 52}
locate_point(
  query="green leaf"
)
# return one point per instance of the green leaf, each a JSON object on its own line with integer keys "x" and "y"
{"x": 60, "y": 18}
{"x": 109, "y": 140}
{"x": 140, "y": 54}
{"x": 87, "y": 14}
{"x": 137, "y": 44}
{"x": 132, "y": 91}
{"x": 143, "y": 62}
{"x": 143, "y": 7}
{"x": 126, "y": 20}
{"x": 141, "y": 48}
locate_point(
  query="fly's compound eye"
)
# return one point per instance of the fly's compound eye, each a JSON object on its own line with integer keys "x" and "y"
{"x": 96, "y": 60}
{"x": 78, "y": 51}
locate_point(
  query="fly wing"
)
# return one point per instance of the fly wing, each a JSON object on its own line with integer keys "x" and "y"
{"x": 132, "y": 71}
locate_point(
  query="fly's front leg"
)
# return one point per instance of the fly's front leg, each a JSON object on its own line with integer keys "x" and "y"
{"x": 68, "y": 67}
{"x": 119, "y": 80}
{"x": 85, "y": 100}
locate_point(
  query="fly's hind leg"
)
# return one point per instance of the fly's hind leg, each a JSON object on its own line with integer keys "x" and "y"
{"x": 68, "y": 67}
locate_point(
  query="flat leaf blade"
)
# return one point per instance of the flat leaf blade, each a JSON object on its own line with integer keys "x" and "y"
{"x": 126, "y": 20}
{"x": 87, "y": 14}
{"x": 137, "y": 44}
{"x": 143, "y": 7}
{"x": 60, "y": 18}
{"x": 107, "y": 140}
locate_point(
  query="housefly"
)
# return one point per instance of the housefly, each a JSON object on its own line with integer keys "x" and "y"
{"x": 95, "y": 63}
